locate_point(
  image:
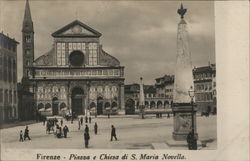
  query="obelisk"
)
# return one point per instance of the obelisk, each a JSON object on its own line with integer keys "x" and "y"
{"x": 141, "y": 99}
{"x": 182, "y": 108}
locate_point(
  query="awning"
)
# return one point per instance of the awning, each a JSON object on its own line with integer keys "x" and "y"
{"x": 49, "y": 109}
{"x": 41, "y": 109}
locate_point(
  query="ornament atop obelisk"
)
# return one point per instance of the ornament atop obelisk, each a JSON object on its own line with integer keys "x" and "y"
{"x": 181, "y": 106}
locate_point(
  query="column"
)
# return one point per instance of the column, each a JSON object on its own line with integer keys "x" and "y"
{"x": 122, "y": 107}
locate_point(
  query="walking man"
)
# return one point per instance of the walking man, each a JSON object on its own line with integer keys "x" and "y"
{"x": 86, "y": 139}
{"x": 81, "y": 120}
{"x": 44, "y": 119}
{"x": 79, "y": 124}
{"x": 86, "y": 129}
{"x": 113, "y": 133}
{"x": 26, "y": 133}
{"x": 90, "y": 119}
{"x": 65, "y": 131}
{"x": 95, "y": 128}
{"x": 61, "y": 122}
{"x": 86, "y": 119}
{"x": 21, "y": 136}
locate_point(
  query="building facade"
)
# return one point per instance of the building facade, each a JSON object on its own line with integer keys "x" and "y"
{"x": 76, "y": 76}
{"x": 8, "y": 78}
{"x": 26, "y": 104}
{"x": 161, "y": 94}
{"x": 155, "y": 101}
{"x": 205, "y": 88}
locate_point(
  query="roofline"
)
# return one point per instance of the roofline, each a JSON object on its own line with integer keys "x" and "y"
{"x": 12, "y": 39}
{"x": 55, "y": 34}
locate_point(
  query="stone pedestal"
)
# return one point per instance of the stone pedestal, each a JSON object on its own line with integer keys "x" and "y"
{"x": 183, "y": 120}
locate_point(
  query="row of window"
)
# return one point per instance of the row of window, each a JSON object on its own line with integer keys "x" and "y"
{"x": 152, "y": 95}
{"x": 204, "y": 75}
{"x": 202, "y": 87}
{"x": 8, "y": 96}
{"x": 204, "y": 96}
{"x": 76, "y": 46}
{"x": 27, "y": 38}
{"x": 48, "y": 96}
{"x": 7, "y": 68}
{"x": 50, "y": 89}
{"x": 106, "y": 88}
{"x": 168, "y": 90}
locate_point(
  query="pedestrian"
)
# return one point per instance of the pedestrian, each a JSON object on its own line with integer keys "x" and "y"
{"x": 95, "y": 128}
{"x": 65, "y": 131}
{"x": 21, "y": 136}
{"x": 26, "y": 133}
{"x": 61, "y": 122}
{"x": 108, "y": 115}
{"x": 189, "y": 140}
{"x": 48, "y": 127}
{"x": 90, "y": 119}
{"x": 81, "y": 120}
{"x": 44, "y": 119}
{"x": 168, "y": 115}
{"x": 58, "y": 132}
{"x": 72, "y": 118}
{"x": 79, "y": 124}
{"x": 86, "y": 139}
{"x": 86, "y": 119}
{"x": 86, "y": 129}
{"x": 113, "y": 133}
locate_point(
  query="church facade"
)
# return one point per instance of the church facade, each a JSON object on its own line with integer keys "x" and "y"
{"x": 76, "y": 76}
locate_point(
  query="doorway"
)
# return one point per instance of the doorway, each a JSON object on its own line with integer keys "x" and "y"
{"x": 99, "y": 106}
{"x": 77, "y": 99}
{"x": 55, "y": 106}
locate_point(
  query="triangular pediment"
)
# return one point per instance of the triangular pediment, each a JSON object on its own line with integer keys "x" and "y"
{"x": 76, "y": 29}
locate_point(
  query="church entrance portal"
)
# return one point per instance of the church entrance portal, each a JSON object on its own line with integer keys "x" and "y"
{"x": 99, "y": 105}
{"x": 77, "y": 101}
{"x": 55, "y": 106}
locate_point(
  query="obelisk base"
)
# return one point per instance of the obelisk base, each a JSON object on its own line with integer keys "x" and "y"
{"x": 183, "y": 120}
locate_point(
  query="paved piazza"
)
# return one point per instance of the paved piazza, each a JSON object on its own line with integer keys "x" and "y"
{"x": 132, "y": 133}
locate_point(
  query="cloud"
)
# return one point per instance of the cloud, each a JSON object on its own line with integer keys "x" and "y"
{"x": 141, "y": 34}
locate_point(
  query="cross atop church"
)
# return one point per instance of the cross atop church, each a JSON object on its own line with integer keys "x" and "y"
{"x": 181, "y": 11}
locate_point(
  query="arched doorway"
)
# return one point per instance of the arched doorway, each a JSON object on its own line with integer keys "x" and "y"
{"x": 130, "y": 106}
{"x": 107, "y": 105}
{"x": 152, "y": 104}
{"x": 159, "y": 104}
{"x": 77, "y": 101}
{"x": 166, "y": 104}
{"x": 114, "y": 105}
{"x": 55, "y": 106}
{"x": 146, "y": 104}
{"x": 99, "y": 106}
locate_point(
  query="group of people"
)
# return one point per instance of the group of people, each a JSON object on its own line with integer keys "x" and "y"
{"x": 80, "y": 121}
{"x": 62, "y": 132}
{"x": 87, "y": 136}
{"x": 26, "y": 134}
{"x": 50, "y": 125}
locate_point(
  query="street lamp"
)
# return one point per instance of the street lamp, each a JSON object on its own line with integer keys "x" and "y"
{"x": 193, "y": 140}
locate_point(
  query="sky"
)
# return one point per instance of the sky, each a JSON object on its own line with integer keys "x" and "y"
{"x": 140, "y": 34}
